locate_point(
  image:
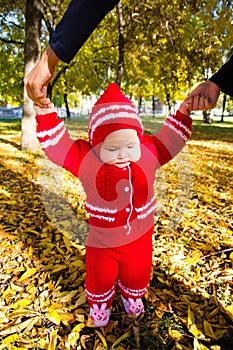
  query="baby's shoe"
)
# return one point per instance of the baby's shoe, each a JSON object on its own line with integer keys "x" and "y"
{"x": 100, "y": 316}
{"x": 133, "y": 306}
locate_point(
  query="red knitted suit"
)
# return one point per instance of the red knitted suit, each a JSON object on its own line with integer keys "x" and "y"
{"x": 120, "y": 203}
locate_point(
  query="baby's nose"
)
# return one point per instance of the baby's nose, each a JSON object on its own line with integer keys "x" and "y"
{"x": 122, "y": 153}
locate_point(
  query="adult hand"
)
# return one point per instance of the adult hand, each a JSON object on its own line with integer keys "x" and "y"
{"x": 43, "y": 111}
{"x": 204, "y": 96}
{"x": 37, "y": 80}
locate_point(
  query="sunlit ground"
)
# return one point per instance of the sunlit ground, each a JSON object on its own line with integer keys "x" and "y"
{"x": 189, "y": 303}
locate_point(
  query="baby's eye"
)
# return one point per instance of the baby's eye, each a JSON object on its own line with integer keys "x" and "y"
{"x": 131, "y": 146}
{"x": 112, "y": 149}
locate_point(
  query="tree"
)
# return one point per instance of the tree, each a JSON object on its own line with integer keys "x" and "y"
{"x": 151, "y": 48}
{"x": 121, "y": 43}
{"x": 31, "y": 55}
{"x": 11, "y": 51}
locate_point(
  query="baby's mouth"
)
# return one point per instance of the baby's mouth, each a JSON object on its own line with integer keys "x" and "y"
{"x": 122, "y": 164}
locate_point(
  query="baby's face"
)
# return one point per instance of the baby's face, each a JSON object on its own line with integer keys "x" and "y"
{"x": 120, "y": 148}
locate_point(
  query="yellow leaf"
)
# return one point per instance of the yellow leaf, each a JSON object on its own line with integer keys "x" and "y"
{"x": 208, "y": 329}
{"x": 21, "y": 304}
{"x": 66, "y": 296}
{"x": 161, "y": 279}
{"x": 75, "y": 335}
{"x": 220, "y": 333}
{"x": 231, "y": 256}
{"x": 102, "y": 338}
{"x": 203, "y": 347}
{"x": 59, "y": 268}
{"x": 20, "y": 327}
{"x": 19, "y": 313}
{"x": 13, "y": 202}
{"x": 52, "y": 341}
{"x": 10, "y": 339}
{"x": 192, "y": 325}
{"x": 29, "y": 273}
{"x": 191, "y": 319}
{"x": 193, "y": 258}
{"x": 78, "y": 263}
{"x": 119, "y": 340}
{"x": 54, "y": 316}
{"x": 66, "y": 318}
{"x": 196, "y": 344}
{"x": 81, "y": 300}
{"x": 175, "y": 334}
{"x": 67, "y": 243}
{"x": 196, "y": 332}
{"x": 229, "y": 310}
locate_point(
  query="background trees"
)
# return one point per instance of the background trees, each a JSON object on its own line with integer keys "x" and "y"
{"x": 152, "y": 48}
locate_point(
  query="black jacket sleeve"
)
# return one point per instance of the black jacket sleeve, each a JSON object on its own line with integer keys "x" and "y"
{"x": 77, "y": 24}
{"x": 224, "y": 77}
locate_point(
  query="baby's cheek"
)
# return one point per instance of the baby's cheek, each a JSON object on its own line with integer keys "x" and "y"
{"x": 136, "y": 155}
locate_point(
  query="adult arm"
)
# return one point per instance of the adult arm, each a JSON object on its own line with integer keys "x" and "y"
{"x": 77, "y": 24}
{"x": 224, "y": 77}
{"x": 206, "y": 94}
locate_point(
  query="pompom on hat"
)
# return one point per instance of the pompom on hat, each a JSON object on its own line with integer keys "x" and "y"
{"x": 112, "y": 111}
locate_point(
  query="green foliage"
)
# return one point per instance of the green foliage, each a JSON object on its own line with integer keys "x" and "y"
{"x": 11, "y": 51}
{"x": 168, "y": 47}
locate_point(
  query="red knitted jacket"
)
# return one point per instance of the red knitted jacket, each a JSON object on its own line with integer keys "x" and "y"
{"x": 120, "y": 202}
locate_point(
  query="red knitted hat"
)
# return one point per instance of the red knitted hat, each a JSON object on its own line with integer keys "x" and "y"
{"x": 113, "y": 111}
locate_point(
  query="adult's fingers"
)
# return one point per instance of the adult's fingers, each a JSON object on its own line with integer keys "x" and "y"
{"x": 196, "y": 100}
{"x": 37, "y": 94}
{"x": 201, "y": 102}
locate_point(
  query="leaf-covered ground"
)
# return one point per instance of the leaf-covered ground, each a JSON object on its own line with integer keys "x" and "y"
{"x": 189, "y": 304}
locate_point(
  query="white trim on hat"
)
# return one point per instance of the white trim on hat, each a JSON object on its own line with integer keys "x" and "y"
{"x": 113, "y": 107}
{"x": 113, "y": 116}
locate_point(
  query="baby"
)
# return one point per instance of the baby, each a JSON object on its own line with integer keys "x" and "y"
{"x": 117, "y": 167}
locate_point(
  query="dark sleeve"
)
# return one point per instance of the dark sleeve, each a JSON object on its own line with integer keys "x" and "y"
{"x": 224, "y": 77}
{"x": 77, "y": 24}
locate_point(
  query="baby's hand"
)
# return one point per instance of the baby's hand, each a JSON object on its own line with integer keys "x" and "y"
{"x": 186, "y": 107}
{"x": 46, "y": 110}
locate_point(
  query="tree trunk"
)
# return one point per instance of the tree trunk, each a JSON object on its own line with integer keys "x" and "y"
{"x": 67, "y": 105}
{"x": 207, "y": 117}
{"x": 168, "y": 102}
{"x": 140, "y": 105}
{"x": 223, "y": 106}
{"x": 31, "y": 56}
{"x": 121, "y": 43}
{"x": 153, "y": 105}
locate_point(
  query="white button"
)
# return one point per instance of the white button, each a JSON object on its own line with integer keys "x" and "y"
{"x": 125, "y": 227}
{"x": 127, "y": 210}
{"x": 126, "y": 189}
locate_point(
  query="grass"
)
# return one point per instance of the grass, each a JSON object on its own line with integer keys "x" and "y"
{"x": 216, "y": 131}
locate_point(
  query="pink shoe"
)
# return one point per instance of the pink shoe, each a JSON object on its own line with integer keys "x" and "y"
{"x": 100, "y": 316}
{"x": 133, "y": 306}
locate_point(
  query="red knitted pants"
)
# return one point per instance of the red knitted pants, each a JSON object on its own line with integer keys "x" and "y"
{"x": 129, "y": 265}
